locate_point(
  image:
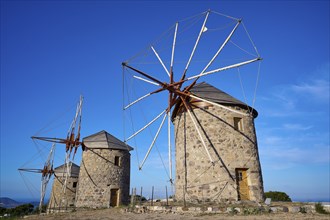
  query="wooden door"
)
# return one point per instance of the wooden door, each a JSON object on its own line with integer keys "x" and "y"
{"x": 242, "y": 184}
{"x": 114, "y": 198}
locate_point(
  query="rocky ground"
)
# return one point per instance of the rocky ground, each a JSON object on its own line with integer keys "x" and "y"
{"x": 117, "y": 214}
{"x": 166, "y": 213}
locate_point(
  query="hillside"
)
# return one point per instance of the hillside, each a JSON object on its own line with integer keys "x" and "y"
{"x": 6, "y": 202}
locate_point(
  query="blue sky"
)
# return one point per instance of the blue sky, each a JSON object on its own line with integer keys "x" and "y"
{"x": 53, "y": 51}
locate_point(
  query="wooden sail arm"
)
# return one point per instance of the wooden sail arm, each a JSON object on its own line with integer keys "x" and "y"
{"x": 50, "y": 139}
{"x": 30, "y": 170}
{"x": 171, "y": 87}
{"x": 194, "y": 48}
{"x": 143, "y": 74}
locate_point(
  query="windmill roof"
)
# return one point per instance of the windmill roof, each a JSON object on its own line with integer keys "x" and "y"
{"x": 104, "y": 140}
{"x": 213, "y": 94}
{"x": 61, "y": 170}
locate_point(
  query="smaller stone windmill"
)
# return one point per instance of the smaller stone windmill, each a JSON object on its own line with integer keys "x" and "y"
{"x": 104, "y": 177}
{"x": 63, "y": 193}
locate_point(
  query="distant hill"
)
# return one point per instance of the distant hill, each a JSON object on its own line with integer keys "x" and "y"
{"x": 6, "y": 202}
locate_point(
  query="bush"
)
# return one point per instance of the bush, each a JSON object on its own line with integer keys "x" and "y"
{"x": 278, "y": 196}
{"x": 319, "y": 208}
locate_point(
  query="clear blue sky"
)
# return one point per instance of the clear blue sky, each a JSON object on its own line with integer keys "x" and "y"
{"x": 53, "y": 51}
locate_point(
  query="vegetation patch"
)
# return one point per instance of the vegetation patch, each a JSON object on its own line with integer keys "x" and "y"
{"x": 320, "y": 209}
{"x": 278, "y": 196}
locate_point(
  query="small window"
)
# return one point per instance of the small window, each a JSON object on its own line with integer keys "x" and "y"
{"x": 238, "y": 124}
{"x": 74, "y": 185}
{"x": 117, "y": 161}
{"x": 239, "y": 175}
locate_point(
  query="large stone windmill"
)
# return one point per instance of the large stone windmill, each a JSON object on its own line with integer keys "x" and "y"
{"x": 228, "y": 129}
{"x": 216, "y": 146}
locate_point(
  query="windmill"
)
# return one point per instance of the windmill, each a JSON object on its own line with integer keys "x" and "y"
{"x": 72, "y": 143}
{"x": 72, "y": 140}
{"x": 46, "y": 173}
{"x": 153, "y": 71}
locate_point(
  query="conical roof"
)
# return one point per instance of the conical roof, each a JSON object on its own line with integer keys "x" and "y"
{"x": 104, "y": 140}
{"x": 213, "y": 94}
{"x": 61, "y": 170}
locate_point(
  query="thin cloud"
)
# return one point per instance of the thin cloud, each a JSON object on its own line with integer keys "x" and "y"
{"x": 317, "y": 90}
{"x": 297, "y": 127}
{"x": 287, "y": 152}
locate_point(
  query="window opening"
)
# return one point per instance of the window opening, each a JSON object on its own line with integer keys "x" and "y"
{"x": 117, "y": 160}
{"x": 238, "y": 123}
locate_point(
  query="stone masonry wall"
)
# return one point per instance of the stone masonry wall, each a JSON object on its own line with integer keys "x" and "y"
{"x": 230, "y": 148}
{"x": 61, "y": 200}
{"x": 99, "y": 174}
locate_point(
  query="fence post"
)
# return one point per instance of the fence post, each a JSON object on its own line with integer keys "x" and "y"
{"x": 166, "y": 196}
{"x": 152, "y": 196}
{"x": 184, "y": 197}
{"x": 132, "y": 197}
{"x": 141, "y": 195}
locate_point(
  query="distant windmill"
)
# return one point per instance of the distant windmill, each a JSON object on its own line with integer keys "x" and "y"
{"x": 46, "y": 173}
{"x": 72, "y": 140}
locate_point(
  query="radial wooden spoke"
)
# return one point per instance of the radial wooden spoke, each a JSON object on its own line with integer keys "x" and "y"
{"x": 224, "y": 68}
{"x": 195, "y": 46}
{"x": 30, "y": 170}
{"x": 197, "y": 128}
{"x": 153, "y": 142}
{"x": 160, "y": 60}
{"x": 169, "y": 143}
{"x": 145, "y": 80}
{"x": 221, "y": 47}
{"x": 143, "y": 74}
{"x": 49, "y": 139}
{"x": 144, "y": 127}
{"x": 216, "y": 104}
{"x": 137, "y": 100}
{"x": 173, "y": 48}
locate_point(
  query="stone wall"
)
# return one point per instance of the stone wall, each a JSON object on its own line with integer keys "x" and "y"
{"x": 230, "y": 148}
{"x": 61, "y": 200}
{"x": 99, "y": 174}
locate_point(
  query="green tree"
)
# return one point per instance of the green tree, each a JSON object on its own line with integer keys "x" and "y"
{"x": 278, "y": 196}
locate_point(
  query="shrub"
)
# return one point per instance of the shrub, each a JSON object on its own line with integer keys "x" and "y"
{"x": 319, "y": 208}
{"x": 302, "y": 210}
{"x": 278, "y": 196}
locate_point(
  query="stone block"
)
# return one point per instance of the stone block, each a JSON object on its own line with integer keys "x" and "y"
{"x": 268, "y": 201}
{"x": 237, "y": 209}
{"x": 273, "y": 209}
{"x": 294, "y": 209}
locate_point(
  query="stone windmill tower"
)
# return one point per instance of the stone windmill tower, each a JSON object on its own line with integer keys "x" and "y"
{"x": 229, "y": 133}
{"x": 104, "y": 177}
{"x": 64, "y": 199}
